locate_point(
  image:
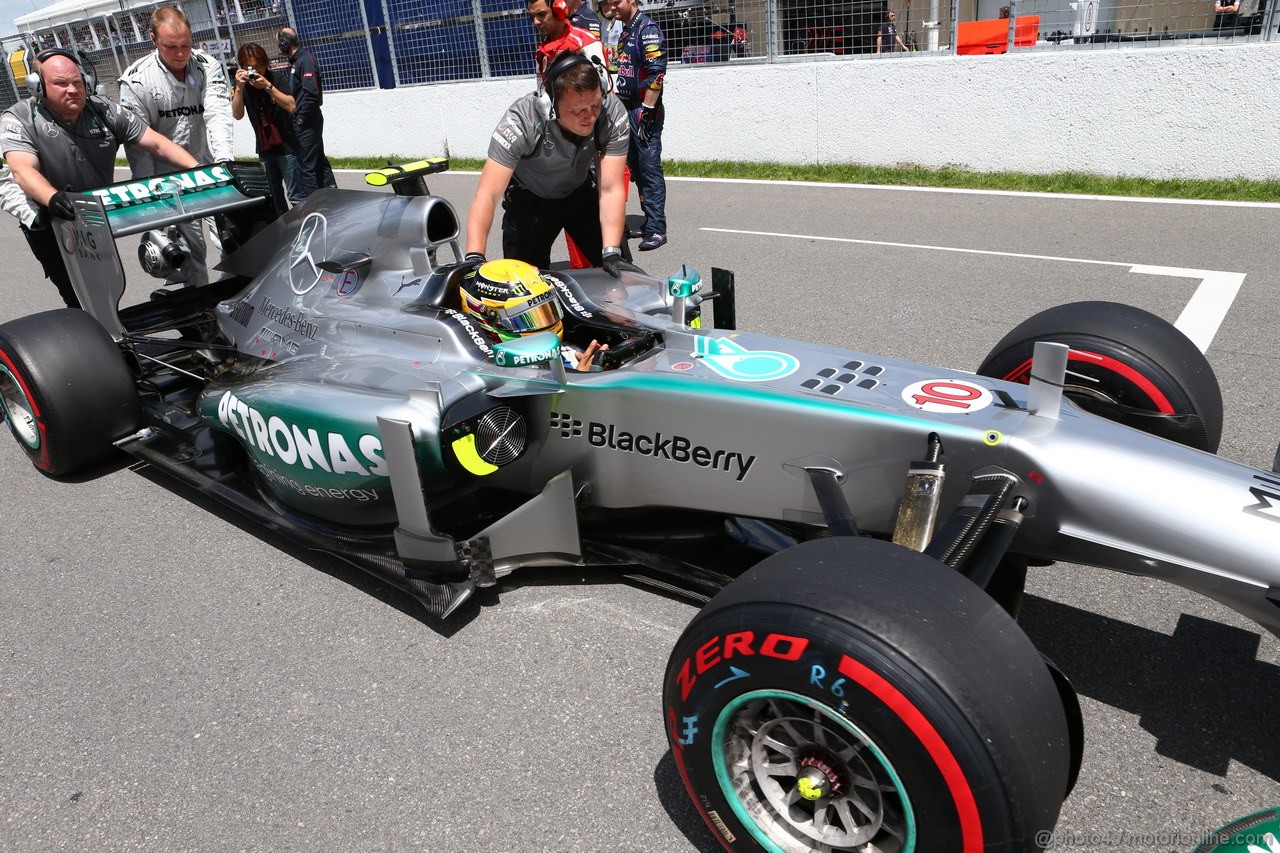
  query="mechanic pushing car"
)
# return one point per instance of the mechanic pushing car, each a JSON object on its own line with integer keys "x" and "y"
{"x": 509, "y": 299}
{"x": 540, "y": 167}
{"x": 559, "y": 35}
{"x": 65, "y": 138}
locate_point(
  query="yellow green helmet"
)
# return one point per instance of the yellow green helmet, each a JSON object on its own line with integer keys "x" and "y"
{"x": 509, "y": 299}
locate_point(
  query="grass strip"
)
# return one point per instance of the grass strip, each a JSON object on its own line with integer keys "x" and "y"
{"x": 1234, "y": 189}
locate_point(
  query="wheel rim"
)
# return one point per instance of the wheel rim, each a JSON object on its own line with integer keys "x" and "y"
{"x": 18, "y": 410}
{"x": 802, "y": 777}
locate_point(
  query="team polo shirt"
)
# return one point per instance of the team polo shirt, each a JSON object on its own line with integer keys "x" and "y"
{"x": 77, "y": 156}
{"x": 546, "y": 161}
{"x": 194, "y": 112}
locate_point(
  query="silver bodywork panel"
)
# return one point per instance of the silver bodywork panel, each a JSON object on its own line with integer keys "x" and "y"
{"x": 365, "y": 398}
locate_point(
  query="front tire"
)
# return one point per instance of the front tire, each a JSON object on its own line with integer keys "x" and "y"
{"x": 1126, "y": 365}
{"x": 65, "y": 389}
{"x": 851, "y": 694}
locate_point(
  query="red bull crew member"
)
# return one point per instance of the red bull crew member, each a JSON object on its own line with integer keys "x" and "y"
{"x": 641, "y": 65}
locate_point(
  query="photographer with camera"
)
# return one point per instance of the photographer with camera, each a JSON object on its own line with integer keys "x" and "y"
{"x": 270, "y": 112}
{"x": 65, "y": 139}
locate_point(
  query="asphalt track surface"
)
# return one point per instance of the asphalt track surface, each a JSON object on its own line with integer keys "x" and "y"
{"x": 173, "y": 678}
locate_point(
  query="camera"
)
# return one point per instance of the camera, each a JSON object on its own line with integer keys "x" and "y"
{"x": 251, "y": 74}
{"x": 162, "y": 252}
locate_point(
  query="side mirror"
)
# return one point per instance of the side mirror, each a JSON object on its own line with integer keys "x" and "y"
{"x": 346, "y": 262}
{"x": 681, "y": 286}
{"x": 526, "y": 352}
{"x": 684, "y": 282}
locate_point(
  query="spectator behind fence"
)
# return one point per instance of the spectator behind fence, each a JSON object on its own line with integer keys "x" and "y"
{"x": 640, "y": 66}
{"x": 183, "y": 94}
{"x": 270, "y": 111}
{"x": 1225, "y": 15}
{"x": 539, "y": 167}
{"x": 889, "y": 30}
{"x": 65, "y": 138}
{"x": 307, "y": 89}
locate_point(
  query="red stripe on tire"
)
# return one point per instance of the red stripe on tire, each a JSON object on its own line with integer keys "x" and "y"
{"x": 1022, "y": 372}
{"x": 35, "y": 409}
{"x": 44, "y": 463}
{"x": 1019, "y": 373}
{"x": 1160, "y": 400}
{"x": 957, "y": 784}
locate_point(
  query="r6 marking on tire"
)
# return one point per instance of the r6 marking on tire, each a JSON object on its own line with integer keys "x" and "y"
{"x": 818, "y": 676}
{"x": 850, "y": 692}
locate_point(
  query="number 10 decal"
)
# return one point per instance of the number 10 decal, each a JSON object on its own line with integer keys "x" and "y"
{"x": 946, "y": 396}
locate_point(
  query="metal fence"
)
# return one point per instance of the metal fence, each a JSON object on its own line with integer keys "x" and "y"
{"x": 388, "y": 43}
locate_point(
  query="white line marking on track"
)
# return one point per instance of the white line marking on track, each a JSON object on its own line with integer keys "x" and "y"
{"x": 1208, "y": 306}
{"x": 902, "y": 188}
{"x": 1199, "y": 320}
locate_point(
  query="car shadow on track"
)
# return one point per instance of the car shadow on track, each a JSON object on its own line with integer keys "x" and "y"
{"x": 327, "y": 563}
{"x": 115, "y": 462}
{"x": 362, "y": 580}
{"x": 671, "y": 793}
{"x": 1201, "y": 692}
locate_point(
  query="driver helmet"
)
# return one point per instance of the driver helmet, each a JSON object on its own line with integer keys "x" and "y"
{"x": 510, "y": 299}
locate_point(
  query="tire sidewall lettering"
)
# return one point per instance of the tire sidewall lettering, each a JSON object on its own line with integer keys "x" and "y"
{"x": 816, "y": 674}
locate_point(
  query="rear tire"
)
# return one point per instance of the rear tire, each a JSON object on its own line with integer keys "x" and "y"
{"x": 853, "y": 694}
{"x": 65, "y": 389}
{"x": 1126, "y": 365}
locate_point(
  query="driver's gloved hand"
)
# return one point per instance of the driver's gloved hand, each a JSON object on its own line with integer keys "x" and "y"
{"x": 610, "y": 259}
{"x": 61, "y": 206}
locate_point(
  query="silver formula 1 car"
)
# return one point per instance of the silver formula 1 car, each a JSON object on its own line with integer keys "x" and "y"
{"x": 859, "y": 526}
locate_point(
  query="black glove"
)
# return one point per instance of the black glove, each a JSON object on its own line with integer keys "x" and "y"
{"x": 610, "y": 259}
{"x": 61, "y": 206}
{"x": 474, "y": 257}
{"x": 646, "y": 121}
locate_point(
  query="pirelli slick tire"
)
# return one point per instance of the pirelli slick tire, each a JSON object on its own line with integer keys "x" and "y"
{"x": 1127, "y": 365}
{"x": 65, "y": 389}
{"x": 851, "y": 694}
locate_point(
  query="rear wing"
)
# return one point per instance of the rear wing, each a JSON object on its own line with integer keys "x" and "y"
{"x": 164, "y": 200}
{"x": 119, "y": 210}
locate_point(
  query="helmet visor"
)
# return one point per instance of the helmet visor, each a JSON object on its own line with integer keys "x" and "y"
{"x": 541, "y": 312}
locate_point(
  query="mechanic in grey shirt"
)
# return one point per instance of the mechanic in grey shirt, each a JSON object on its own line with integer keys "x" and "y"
{"x": 62, "y": 139}
{"x": 182, "y": 93}
{"x": 540, "y": 166}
